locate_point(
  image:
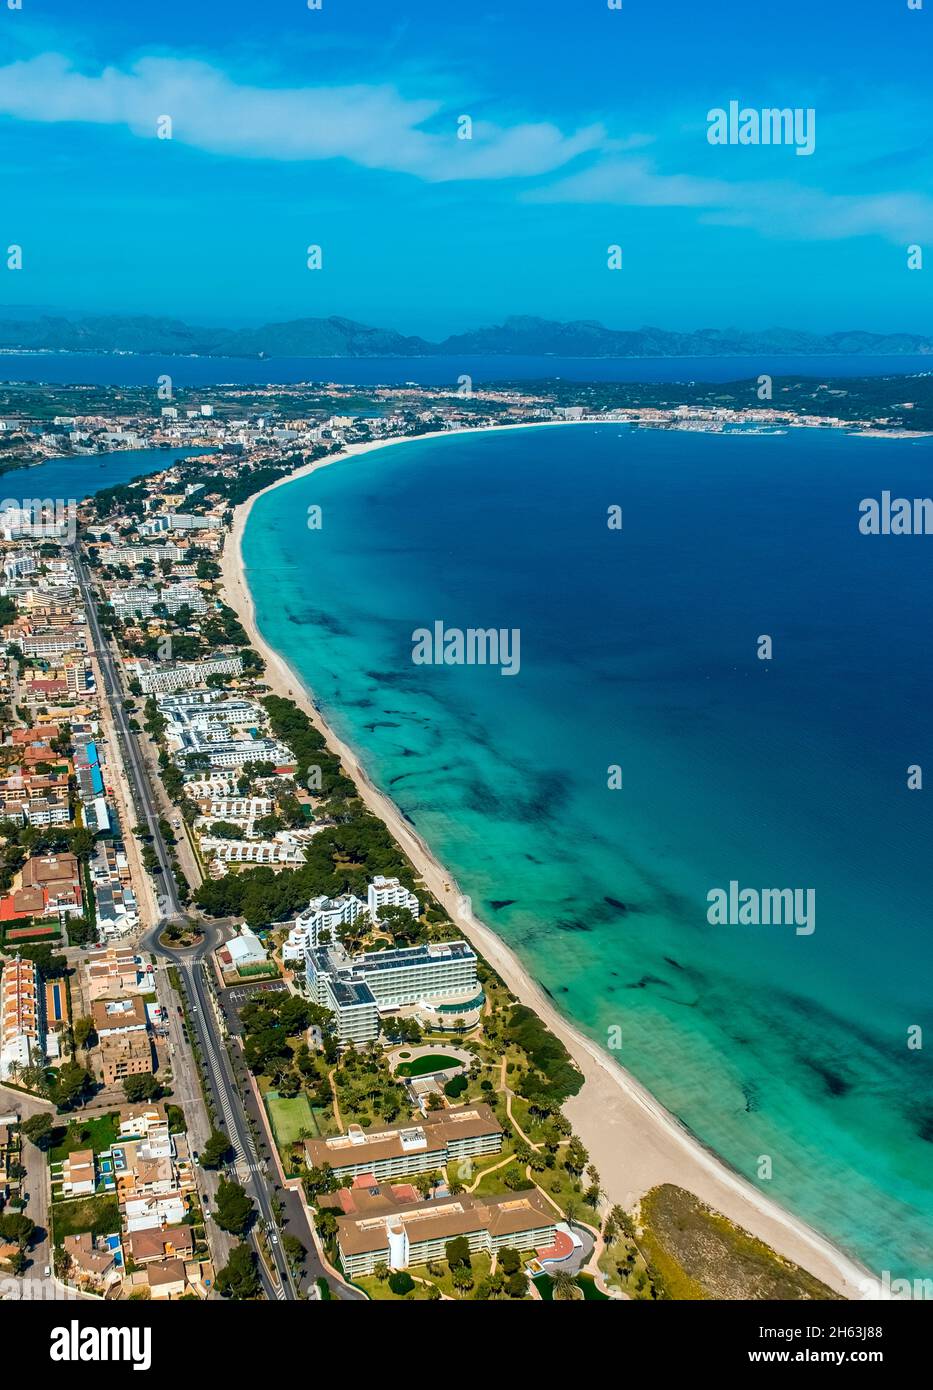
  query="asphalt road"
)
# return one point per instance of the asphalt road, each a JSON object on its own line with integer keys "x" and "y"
{"x": 250, "y": 1171}
{"x": 257, "y": 1177}
{"x": 140, "y": 789}
{"x": 188, "y": 962}
{"x": 36, "y": 1181}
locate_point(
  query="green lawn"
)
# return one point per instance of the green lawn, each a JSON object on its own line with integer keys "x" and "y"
{"x": 101, "y": 1215}
{"x": 380, "y": 1292}
{"x": 97, "y": 1134}
{"x": 289, "y": 1117}
{"x": 563, "y": 1188}
{"x": 423, "y": 1066}
{"x": 325, "y": 1121}
{"x": 622, "y": 1264}
{"x": 480, "y": 1265}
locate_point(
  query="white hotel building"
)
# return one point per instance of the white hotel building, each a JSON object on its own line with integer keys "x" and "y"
{"x": 232, "y": 752}
{"x": 388, "y": 892}
{"x": 157, "y": 680}
{"x": 284, "y": 853}
{"x": 127, "y": 603}
{"x": 438, "y": 978}
{"x": 321, "y": 915}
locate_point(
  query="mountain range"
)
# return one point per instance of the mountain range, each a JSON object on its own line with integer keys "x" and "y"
{"x": 517, "y": 336}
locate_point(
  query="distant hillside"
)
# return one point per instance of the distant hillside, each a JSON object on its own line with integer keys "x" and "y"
{"x": 333, "y": 337}
{"x": 339, "y": 337}
{"x": 587, "y": 338}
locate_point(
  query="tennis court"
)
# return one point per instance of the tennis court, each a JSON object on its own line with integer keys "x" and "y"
{"x": 289, "y": 1117}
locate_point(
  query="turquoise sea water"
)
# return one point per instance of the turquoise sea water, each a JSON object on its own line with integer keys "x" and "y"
{"x": 638, "y": 648}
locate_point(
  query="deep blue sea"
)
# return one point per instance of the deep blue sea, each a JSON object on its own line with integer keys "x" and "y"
{"x": 122, "y": 369}
{"x": 78, "y": 476}
{"x": 639, "y": 650}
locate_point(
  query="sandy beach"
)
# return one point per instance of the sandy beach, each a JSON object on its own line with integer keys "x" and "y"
{"x": 634, "y": 1142}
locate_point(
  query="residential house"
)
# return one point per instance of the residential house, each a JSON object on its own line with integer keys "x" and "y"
{"x": 160, "y": 1243}
{"x": 79, "y": 1174}
{"x": 149, "y": 1213}
{"x": 93, "y": 1261}
{"x": 167, "y": 1278}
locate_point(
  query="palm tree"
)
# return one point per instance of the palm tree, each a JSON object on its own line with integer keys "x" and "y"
{"x": 566, "y": 1287}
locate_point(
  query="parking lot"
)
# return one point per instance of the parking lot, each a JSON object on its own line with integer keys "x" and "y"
{"x": 233, "y": 1000}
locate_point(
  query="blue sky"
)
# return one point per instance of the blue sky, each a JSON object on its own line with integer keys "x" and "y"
{"x": 338, "y": 127}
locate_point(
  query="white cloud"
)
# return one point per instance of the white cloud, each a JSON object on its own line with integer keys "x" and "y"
{"x": 771, "y": 207}
{"x": 373, "y": 126}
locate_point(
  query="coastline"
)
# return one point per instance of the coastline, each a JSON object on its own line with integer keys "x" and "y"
{"x": 635, "y": 1143}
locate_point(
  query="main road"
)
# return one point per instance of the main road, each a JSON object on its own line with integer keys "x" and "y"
{"x": 228, "y": 1103}
{"x": 188, "y": 962}
{"x": 139, "y": 787}
{"x": 278, "y": 1283}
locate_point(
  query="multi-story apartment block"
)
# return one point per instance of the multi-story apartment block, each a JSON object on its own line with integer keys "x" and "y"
{"x": 156, "y": 680}
{"x": 244, "y": 809}
{"x": 144, "y": 600}
{"x": 179, "y": 521}
{"x": 123, "y": 1055}
{"x": 79, "y": 678}
{"x": 18, "y": 563}
{"x": 54, "y": 644}
{"x": 208, "y": 713}
{"x": 232, "y": 752}
{"x": 382, "y": 1230}
{"x": 139, "y": 554}
{"x": 52, "y": 809}
{"x": 278, "y": 853}
{"x": 436, "y": 976}
{"x": 321, "y": 915}
{"x": 442, "y": 1137}
{"x": 20, "y": 1018}
{"x": 388, "y": 892}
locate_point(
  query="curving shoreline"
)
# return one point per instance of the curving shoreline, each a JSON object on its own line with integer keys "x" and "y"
{"x": 634, "y": 1142}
